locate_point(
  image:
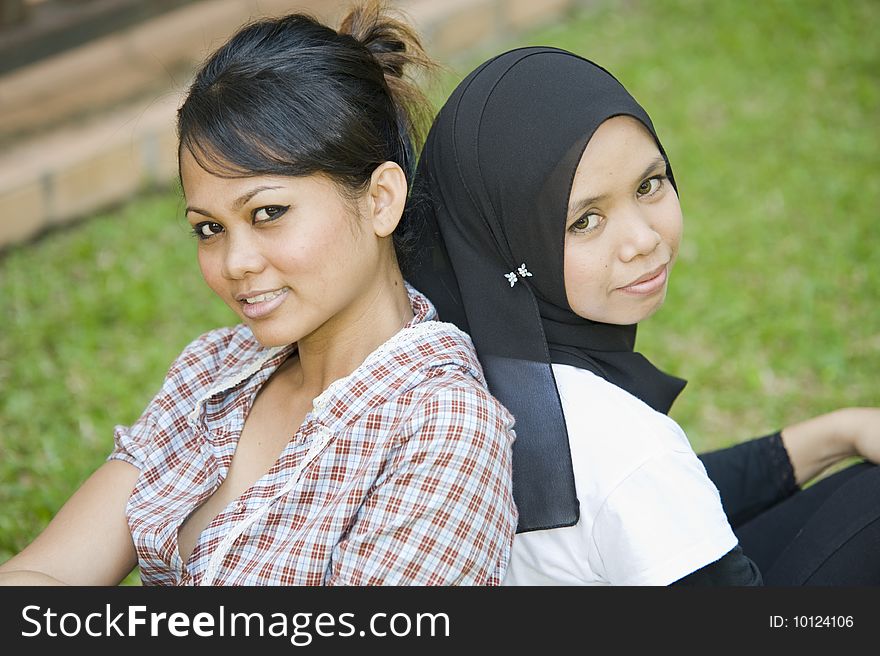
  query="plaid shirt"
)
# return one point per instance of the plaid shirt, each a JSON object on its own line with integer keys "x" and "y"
{"x": 399, "y": 475}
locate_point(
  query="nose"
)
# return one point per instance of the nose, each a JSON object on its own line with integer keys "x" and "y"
{"x": 242, "y": 256}
{"x": 640, "y": 236}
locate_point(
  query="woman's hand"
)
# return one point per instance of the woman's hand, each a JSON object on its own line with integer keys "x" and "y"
{"x": 816, "y": 444}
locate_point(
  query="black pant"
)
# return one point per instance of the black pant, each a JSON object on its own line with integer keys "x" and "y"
{"x": 826, "y": 534}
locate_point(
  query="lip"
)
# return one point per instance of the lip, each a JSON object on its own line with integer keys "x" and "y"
{"x": 263, "y": 308}
{"x": 649, "y": 283}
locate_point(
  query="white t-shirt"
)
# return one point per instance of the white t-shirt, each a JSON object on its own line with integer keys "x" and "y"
{"x": 649, "y": 514}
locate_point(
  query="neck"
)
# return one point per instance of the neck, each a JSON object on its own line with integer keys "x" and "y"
{"x": 341, "y": 345}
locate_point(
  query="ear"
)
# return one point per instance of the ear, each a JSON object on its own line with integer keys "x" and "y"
{"x": 386, "y": 198}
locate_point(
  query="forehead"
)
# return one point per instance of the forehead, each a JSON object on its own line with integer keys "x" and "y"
{"x": 204, "y": 187}
{"x": 198, "y": 181}
{"x": 620, "y": 148}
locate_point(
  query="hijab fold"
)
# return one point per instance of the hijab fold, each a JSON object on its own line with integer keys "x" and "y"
{"x": 496, "y": 173}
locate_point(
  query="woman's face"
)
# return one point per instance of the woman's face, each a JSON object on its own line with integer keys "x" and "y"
{"x": 623, "y": 227}
{"x": 289, "y": 255}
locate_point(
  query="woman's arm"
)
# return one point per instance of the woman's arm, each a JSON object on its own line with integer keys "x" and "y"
{"x": 818, "y": 443}
{"x": 88, "y": 542}
{"x": 751, "y": 476}
{"x": 756, "y": 474}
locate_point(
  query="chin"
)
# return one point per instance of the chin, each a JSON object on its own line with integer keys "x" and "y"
{"x": 269, "y": 342}
{"x": 270, "y": 336}
{"x": 652, "y": 310}
{"x": 634, "y": 316}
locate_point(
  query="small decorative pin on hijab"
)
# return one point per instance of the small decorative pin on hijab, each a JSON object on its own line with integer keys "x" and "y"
{"x": 522, "y": 271}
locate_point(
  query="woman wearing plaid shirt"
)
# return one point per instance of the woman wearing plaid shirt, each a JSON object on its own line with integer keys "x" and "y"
{"x": 340, "y": 434}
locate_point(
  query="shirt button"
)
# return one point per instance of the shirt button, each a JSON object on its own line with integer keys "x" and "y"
{"x": 240, "y": 507}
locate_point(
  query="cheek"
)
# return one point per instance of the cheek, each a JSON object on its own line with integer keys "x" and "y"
{"x": 672, "y": 225}
{"x": 319, "y": 248}
{"x": 323, "y": 251}
{"x": 584, "y": 273}
{"x": 210, "y": 266}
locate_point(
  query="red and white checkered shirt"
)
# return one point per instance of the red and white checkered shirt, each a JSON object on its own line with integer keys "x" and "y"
{"x": 399, "y": 475}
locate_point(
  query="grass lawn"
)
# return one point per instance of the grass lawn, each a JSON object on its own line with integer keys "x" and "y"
{"x": 768, "y": 112}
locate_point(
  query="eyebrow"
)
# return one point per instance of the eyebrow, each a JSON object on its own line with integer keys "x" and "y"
{"x": 579, "y": 205}
{"x": 238, "y": 203}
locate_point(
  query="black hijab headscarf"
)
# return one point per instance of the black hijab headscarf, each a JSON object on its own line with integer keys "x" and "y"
{"x": 495, "y": 177}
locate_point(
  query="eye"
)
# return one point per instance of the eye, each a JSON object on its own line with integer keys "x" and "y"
{"x": 269, "y": 213}
{"x": 650, "y": 186}
{"x": 207, "y": 229}
{"x": 587, "y": 223}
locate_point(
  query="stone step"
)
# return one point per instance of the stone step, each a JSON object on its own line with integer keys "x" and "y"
{"x": 84, "y": 130}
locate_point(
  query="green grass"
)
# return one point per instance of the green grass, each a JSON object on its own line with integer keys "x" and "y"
{"x": 769, "y": 114}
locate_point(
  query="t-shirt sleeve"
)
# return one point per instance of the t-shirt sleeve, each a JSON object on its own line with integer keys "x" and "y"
{"x": 169, "y": 407}
{"x": 131, "y": 444}
{"x": 443, "y": 511}
{"x": 733, "y": 569}
{"x": 662, "y": 522}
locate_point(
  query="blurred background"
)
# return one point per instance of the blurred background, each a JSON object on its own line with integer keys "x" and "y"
{"x": 768, "y": 111}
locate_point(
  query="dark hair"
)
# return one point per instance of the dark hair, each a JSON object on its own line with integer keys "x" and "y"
{"x": 291, "y": 96}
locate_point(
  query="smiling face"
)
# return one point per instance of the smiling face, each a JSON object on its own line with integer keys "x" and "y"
{"x": 290, "y": 255}
{"x": 623, "y": 227}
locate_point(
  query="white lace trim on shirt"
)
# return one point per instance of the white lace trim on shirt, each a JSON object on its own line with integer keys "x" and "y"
{"x": 402, "y": 337}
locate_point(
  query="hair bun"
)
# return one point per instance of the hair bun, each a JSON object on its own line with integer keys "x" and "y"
{"x": 393, "y": 43}
{"x": 396, "y": 47}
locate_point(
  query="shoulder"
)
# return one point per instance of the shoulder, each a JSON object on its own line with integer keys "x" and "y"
{"x": 456, "y": 433}
{"x": 650, "y": 510}
{"x": 460, "y": 398}
{"x": 451, "y": 370}
{"x": 431, "y": 359}
{"x": 617, "y": 440}
{"x": 447, "y": 395}
{"x": 206, "y": 348}
{"x": 209, "y": 357}
{"x": 430, "y": 346}
{"x": 437, "y": 345}
{"x": 611, "y": 416}
{"x": 191, "y": 373}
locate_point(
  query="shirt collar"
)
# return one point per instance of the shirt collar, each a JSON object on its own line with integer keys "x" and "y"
{"x": 246, "y": 356}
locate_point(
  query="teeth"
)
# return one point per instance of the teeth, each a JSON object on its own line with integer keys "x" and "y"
{"x": 265, "y": 297}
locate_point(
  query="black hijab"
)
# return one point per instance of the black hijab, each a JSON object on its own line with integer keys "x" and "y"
{"x": 495, "y": 177}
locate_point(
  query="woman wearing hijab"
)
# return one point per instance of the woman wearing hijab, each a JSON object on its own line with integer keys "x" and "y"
{"x": 552, "y": 224}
